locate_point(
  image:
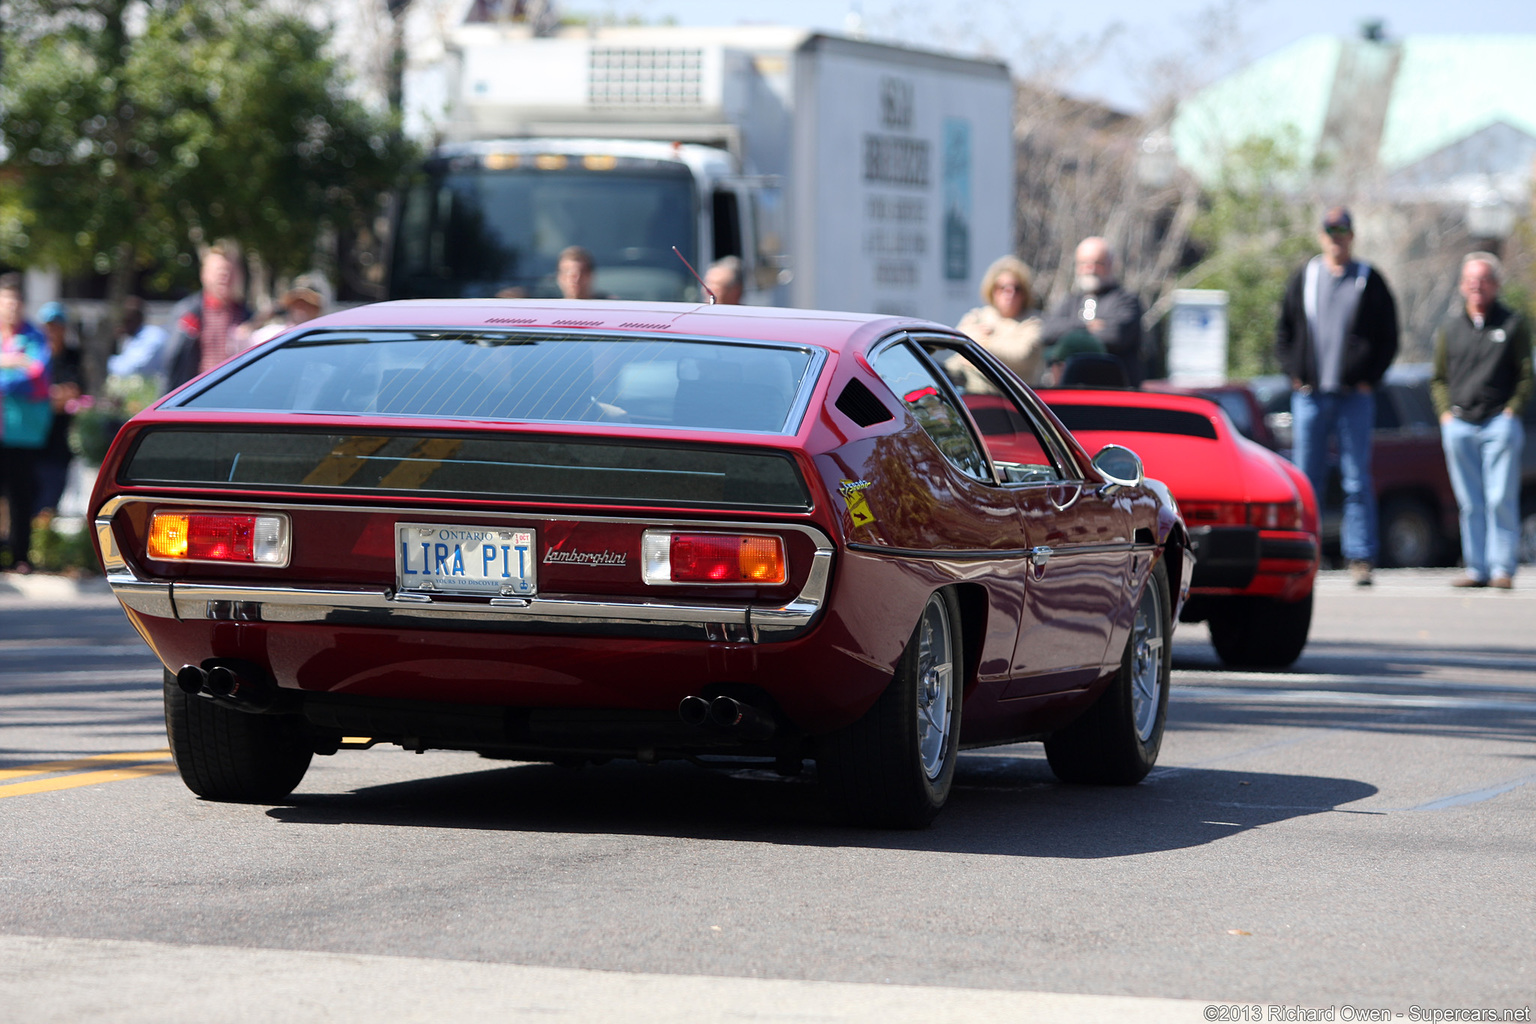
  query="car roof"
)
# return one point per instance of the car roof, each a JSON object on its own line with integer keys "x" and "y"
{"x": 827, "y": 329}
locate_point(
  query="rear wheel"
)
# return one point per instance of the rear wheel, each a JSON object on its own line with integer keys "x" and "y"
{"x": 893, "y": 768}
{"x": 1263, "y": 633}
{"x": 1116, "y": 740}
{"x": 235, "y": 756}
{"x": 1410, "y": 536}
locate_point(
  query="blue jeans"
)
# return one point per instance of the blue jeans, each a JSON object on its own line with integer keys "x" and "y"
{"x": 1315, "y": 417}
{"x": 1484, "y": 460}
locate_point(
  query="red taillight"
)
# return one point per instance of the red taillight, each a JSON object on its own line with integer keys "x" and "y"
{"x": 218, "y": 537}
{"x": 713, "y": 558}
{"x": 1201, "y": 513}
{"x": 1275, "y": 515}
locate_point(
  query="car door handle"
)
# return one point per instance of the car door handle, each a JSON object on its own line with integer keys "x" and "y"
{"x": 1039, "y": 556}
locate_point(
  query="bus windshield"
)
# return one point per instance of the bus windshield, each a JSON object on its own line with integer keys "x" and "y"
{"x": 466, "y": 231}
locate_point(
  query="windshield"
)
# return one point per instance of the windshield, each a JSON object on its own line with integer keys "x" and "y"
{"x": 466, "y": 231}
{"x": 486, "y": 375}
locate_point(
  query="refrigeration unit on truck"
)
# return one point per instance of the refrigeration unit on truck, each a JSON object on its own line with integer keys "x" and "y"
{"x": 844, "y": 174}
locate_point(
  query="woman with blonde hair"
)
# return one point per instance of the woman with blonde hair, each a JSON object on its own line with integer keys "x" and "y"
{"x": 1007, "y": 325}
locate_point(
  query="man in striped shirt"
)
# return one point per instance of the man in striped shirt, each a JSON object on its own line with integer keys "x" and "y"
{"x": 203, "y": 324}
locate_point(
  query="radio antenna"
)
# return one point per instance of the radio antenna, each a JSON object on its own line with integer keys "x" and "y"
{"x": 695, "y": 274}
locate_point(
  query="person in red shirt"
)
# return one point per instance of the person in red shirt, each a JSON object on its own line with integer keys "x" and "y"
{"x": 203, "y": 324}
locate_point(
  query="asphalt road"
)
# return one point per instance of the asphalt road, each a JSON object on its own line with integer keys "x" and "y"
{"x": 1354, "y": 833}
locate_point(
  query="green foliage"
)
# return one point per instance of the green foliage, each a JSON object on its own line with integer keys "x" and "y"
{"x": 97, "y": 422}
{"x": 135, "y": 130}
{"x": 1255, "y": 233}
{"x": 58, "y": 551}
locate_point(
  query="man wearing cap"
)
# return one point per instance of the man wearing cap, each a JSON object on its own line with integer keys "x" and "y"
{"x": 1481, "y": 383}
{"x": 1336, "y": 337}
{"x": 300, "y": 303}
{"x": 1079, "y": 342}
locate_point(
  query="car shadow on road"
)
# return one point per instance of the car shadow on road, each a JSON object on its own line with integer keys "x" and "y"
{"x": 1004, "y": 804}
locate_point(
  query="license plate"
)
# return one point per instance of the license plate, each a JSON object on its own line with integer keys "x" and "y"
{"x": 475, "y": 560}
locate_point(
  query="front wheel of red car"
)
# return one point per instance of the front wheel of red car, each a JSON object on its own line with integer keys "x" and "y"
{"x": 234, "y": 756}
{"x": 1115, "y": 742}
{"x": 1263, "y": 633}
{"x": 893, "y": 768}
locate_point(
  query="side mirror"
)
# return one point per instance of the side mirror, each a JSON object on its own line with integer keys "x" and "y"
{"x": 1119, "y": 466}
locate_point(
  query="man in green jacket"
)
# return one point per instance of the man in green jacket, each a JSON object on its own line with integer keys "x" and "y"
{"x": 1481, "y": 383}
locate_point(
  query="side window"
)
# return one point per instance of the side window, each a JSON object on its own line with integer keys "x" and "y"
{"x": 1009, "y": 435}
{"x": 914, "y": 383}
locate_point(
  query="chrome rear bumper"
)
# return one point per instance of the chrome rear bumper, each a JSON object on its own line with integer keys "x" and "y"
{"x": 385, "y": 607}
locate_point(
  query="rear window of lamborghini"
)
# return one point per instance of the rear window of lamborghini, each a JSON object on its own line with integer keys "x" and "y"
{"x": 524, "y": 376}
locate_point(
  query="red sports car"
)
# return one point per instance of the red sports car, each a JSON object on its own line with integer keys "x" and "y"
{"x": 579, "y": 531}
{"x": 1252, "y": 516}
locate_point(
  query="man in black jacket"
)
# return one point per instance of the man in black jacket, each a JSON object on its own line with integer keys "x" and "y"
{"x": 1481, "y": 384}
{"x": 1103, "y": 306}
{"x": 1336, "y": 337}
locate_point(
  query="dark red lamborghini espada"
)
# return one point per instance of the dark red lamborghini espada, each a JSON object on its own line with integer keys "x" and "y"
{"x": 548, "y": 530}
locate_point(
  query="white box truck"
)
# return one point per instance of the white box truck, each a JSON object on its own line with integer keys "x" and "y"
{"x": 845, "y": 174}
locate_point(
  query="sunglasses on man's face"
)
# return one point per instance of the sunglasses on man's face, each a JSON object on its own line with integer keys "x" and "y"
{"x": 1339, "y": 232}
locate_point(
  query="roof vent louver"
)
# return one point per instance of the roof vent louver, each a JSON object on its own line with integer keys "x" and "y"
{"x": 861, "y": 405}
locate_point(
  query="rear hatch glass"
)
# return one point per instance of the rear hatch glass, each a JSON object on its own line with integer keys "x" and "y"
{"x": 523, "y": 376}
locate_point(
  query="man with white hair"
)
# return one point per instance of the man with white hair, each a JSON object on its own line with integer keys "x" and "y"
{"x": 1101, "y": 305}
{"x": 1481, "y": 383}
{"x": 723, "y": 278}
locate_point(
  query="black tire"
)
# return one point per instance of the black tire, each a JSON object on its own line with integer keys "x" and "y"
{"x": 1115, "y": 742}
{"x": 894, "y": 767}
{"x": 1410, "y": 535}
{"x": 1262, "y": 633}
{"x": 234, "y": 756}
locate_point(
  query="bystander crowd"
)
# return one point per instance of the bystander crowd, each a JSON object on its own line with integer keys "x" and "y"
{"x": 1482, "y": 380}
{"x": 1336, "y": 337}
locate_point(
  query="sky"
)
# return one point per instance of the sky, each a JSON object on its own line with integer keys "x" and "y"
{"x": 1125, "y": 53}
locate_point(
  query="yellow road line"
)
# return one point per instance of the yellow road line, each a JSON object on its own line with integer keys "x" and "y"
{"x": 83, "y": 779}
{"x": 94, "y": 761}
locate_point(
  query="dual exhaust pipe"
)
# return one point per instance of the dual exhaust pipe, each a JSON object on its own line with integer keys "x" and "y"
{"x": 244, "y": 686}
{"x": 729, "y": 714}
